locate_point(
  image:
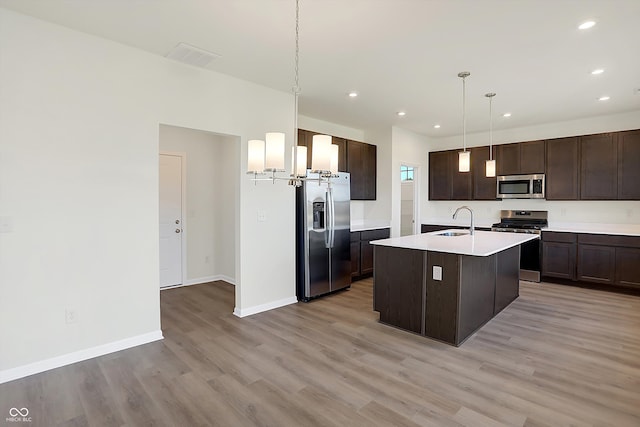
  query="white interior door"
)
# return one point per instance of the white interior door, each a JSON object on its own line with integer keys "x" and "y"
{"x": 407, "y": 210}
{"x": 171, "y": 230}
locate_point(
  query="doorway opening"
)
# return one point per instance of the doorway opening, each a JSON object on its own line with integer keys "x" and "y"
{"x": 208, "y": 227}
{"x": 409, "y": 203}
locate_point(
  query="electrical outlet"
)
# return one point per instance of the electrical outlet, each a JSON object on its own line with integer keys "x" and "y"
{"x": 71, "y": 316}
{"x": 437, "y": 272}
{"x": 6, "y": 224}
{"x": 262, "y": 216}
{"x": 207, "y": 259}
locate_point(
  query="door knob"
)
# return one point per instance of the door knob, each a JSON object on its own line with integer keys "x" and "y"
{"x": 178, "y": 230}
{"x": 177, "y": 221}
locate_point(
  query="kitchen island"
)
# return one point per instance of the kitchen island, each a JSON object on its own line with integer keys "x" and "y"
{"x": 445, "y": 285}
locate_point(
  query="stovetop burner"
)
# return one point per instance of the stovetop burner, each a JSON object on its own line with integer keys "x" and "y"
{"x": 521, "y": 221}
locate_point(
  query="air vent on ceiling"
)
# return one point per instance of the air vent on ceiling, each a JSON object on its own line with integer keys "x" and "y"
{"x": 192, "y": 55}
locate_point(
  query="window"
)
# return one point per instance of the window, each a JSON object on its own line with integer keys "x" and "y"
{"x": 406, "y": 173}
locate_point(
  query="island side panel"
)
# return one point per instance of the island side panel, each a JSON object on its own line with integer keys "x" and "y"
{"x": 507, "y": 278}
{"x": 398, "y": 286}
{"x": 442, "y": 297}
{"x": 477, "y": 294}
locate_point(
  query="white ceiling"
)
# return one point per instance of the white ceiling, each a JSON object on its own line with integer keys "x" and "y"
{"x": 398, "y": 54}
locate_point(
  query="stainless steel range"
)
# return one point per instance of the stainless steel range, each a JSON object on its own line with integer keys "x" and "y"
{"x": 530, "y": 252}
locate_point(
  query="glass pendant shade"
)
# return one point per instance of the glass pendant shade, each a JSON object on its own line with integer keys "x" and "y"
{"x": 301, "y": 167}
{"x": 490, "y": 168}
{"x": 274, "y": 158}
{"x": 464, "y": 161}
{"x": 321, "y": 153}
{"x": 255, "y": 156}
{"x": 335, "y": 151}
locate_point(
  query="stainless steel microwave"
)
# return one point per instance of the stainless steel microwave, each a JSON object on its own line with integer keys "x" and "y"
{"x": 520, "y": 187}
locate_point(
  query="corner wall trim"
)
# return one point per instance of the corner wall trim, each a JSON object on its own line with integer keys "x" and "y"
{"x": 264, "y": 307}
{"x": 78, "y": 356}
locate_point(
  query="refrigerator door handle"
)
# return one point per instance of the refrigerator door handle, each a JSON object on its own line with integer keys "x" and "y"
{"x": 327, "y": 220}
{"x": 332, "y": 224}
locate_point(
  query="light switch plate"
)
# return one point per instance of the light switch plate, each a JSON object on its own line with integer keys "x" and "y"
{"x": 437, "y": 272}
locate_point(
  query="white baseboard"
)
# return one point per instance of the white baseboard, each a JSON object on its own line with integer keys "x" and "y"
{"x": 77, "y": 356}
{"x": 201, "y": 280}
{"x": 264, "y": 307}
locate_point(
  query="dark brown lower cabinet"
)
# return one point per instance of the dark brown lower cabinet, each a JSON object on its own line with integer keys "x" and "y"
{"x": 596, "y": 264}
{"x": 628, "y": 267}
{"x": 470, "y": 292}
{"x": 362, "y": 251}
{"x": 559, "y": 255}
{"x": 592, "y": 258}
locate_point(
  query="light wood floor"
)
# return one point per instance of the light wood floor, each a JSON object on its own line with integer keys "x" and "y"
{"x": 557, "y": 356}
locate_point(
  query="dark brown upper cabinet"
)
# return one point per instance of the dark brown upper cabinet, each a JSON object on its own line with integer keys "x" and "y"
{"x": 361, "y": 164}
{"x": 439, "y": 176}
{"x": 483, "y": 188}
{"x": 520, "y": 158}
{"x": 305, "y": 138}
{"x": 599, "y": 167}
{"x": 357, "y": 158}
{"x": 562, "y": 169}
{"x": 629, "y": 165}
{"x": 445, "y": 182}
{"x": 461, "y": 188}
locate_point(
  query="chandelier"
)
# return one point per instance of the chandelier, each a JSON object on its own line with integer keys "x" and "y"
{"x": 266, "y": 157}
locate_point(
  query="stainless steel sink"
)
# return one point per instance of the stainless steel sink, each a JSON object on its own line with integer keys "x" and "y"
{"x": 453, "y": 233}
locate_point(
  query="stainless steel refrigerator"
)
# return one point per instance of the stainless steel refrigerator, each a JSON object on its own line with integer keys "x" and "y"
{"x": 323, "y": 246}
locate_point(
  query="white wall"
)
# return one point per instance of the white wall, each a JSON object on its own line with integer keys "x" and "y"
{"x": 79, "y": 130}
{"x": 487, "y": 212}
{"x": 409, "y": 148}
{"x": 211, "y": 176}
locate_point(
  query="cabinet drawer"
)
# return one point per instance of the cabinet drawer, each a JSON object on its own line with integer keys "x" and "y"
{"x": 355, "y": 236}
{"x": 381, "y": 233}
{"x": 609, "y": 240}
{"x": 554, "y": 236}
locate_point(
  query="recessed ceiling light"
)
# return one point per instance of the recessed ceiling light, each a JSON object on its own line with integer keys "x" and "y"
{"x": 604, "y": 98}
{"x": 353, "y": 94}
{"x": 506, "y": 115}
{"x": 401, "y": 113}
{"x": 586, "y": 25}
{"x": 436, "y": 126}
{"x": 597, "y": 71}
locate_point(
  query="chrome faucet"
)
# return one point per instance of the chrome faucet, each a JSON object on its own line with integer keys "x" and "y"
{"x": 470, "y": 211}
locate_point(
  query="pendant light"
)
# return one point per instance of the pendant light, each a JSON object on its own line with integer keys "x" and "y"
{"x": 464, "y": 156}
{"x": 268, "y": 156}
{"x": 490, "y": 165}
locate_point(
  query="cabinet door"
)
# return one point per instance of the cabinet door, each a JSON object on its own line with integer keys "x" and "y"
{"x": 342, "y": 152}
{"x": 369, "y": 167}
{"x": 460, "y": 181}
{"x": 508, "y": 159}
{"x": 366, "y": 258}
{"x": 354, "y": 167}
{"x": 355, "y": 259}
{"x": 628, "y": 267}
{"x": 439, "y": 176}
{"x": 562, "y": 169}
{"x": 483, "y": 188}
{"x": 559, "y": 260}
{"x": 532, "y": 157}
{"x": 629, "y": 165}
{"x": 596, "y": 264}
{"x": 599, "y": 167}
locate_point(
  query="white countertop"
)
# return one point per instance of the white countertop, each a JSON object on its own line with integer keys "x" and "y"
{"x": 595, "y": 228}
{"x": 482, "y": 243}
{"x": 462, "y": 221}
{"x": 368, "y": 225}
